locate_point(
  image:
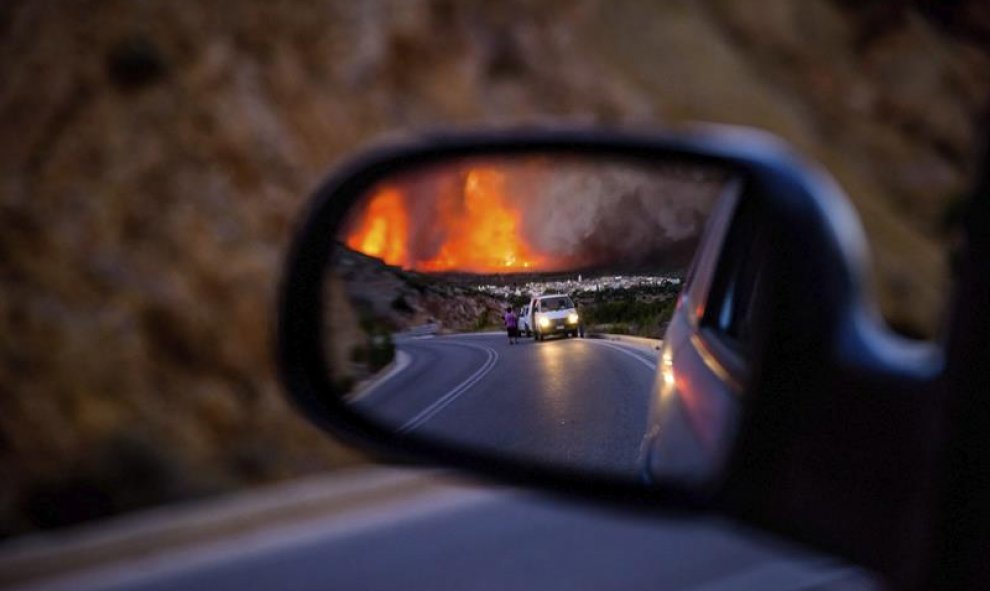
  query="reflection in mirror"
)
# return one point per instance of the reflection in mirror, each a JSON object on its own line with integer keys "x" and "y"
{"x": 515, "y": 305}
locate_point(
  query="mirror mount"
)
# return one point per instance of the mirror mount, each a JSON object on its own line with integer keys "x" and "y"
{"x": 837, "y": 444}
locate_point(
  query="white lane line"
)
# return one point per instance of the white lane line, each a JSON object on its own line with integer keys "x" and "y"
{"x": 402, "y": 361}
{"x": 440, "y": 403}
{"x": 624, "y": 351}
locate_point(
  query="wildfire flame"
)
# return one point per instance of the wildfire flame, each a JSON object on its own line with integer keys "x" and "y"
{"x": 383, "y": 230}
{"x": 480, "y": 229}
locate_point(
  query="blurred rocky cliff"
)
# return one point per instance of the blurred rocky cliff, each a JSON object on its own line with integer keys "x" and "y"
{"x": 154, "y": 155}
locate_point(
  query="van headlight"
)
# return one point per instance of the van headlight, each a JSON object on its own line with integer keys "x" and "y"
{"x": 572, "y": 318}
{"x": 544, "y": 322}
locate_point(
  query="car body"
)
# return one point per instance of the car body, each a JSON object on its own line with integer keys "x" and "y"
{"x": 701, "y": 342}
{"x": 553, "y": 314}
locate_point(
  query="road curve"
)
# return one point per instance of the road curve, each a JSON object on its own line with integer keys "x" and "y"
{"x": 578, "y": 402}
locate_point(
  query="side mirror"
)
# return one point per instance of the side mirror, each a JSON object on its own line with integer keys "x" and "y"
{"x": 775, "y": 394}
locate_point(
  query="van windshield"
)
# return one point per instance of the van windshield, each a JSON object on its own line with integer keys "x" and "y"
{"x": 559, "y": 303}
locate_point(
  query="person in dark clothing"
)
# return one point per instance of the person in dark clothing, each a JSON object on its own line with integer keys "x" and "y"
{"x": 511, "y": 325}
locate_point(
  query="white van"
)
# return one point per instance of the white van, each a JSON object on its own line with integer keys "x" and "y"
{"x": 553, "y": 314}
{"x": 525, "y": 327}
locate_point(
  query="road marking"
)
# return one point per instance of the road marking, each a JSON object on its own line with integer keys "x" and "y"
{"x": 438, "y": 405}
{"x": 623, "y": 350}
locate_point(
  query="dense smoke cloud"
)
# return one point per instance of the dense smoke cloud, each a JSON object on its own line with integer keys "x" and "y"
{"x": 616, "y": 213}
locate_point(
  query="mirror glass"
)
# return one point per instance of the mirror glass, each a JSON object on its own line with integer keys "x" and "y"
{"x": 517, "y": 304}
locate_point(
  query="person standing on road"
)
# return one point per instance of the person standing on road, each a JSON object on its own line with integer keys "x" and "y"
{"x": 511, "y": 325}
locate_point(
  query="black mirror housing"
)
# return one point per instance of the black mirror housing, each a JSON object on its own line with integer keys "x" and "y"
{"x": 837, "y": 444}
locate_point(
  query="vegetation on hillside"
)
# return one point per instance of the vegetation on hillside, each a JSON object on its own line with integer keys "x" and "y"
{"x": 640, "y": 312}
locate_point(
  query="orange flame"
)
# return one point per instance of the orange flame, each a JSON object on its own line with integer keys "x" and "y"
{"x": 480, "y": 229}
{"x": 384, "y": 228}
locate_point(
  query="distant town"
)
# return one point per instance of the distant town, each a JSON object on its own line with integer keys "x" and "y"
{"x": 579, "y": 285}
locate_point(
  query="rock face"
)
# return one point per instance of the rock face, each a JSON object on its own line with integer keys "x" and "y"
{"x": 398, "y": 300}
{"x": 153, "y": 157}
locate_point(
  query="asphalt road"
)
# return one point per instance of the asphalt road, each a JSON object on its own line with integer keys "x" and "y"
{"x": 579, "y": 402}
{"x": 387, "y": 529}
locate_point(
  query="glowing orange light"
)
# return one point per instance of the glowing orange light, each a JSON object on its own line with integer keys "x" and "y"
{"x": 384, "y": 228}
{"x": 483, "y": 235}
{"x": 481, "y": 230}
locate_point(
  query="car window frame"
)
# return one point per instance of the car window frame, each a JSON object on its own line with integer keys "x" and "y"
{"x": 697, "y": 283}
{"x": 733, "y": 267}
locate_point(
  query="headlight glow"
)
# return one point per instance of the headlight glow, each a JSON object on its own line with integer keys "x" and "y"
{"x": 572, "y": 318}
{"x": 544, "y": 322}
